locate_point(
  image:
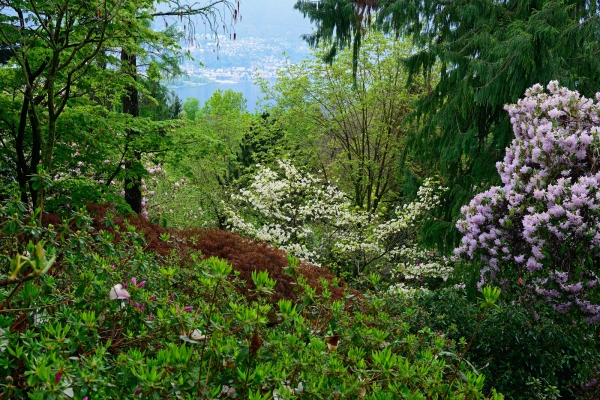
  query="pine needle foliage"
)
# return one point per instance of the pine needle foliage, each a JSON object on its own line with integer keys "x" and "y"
{"x": 341, "y": 23}
{"x": 485, "y": 54}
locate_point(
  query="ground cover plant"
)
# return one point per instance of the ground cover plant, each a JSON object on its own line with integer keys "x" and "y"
{"x": 90, "y": 313}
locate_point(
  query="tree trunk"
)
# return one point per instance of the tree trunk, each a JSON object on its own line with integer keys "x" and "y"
{"x": 131, "y": 106}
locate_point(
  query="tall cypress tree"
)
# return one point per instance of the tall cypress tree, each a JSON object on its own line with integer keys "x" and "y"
{"x": 485, "y": 53}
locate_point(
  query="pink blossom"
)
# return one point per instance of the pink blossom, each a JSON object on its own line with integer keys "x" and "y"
{"x": 188, "y": 308}
{"x": 117, "y": 292}
{"x": 547, "y": 202}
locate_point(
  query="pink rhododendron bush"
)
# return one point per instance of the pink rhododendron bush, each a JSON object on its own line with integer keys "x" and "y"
{"x": 542, "y": 225}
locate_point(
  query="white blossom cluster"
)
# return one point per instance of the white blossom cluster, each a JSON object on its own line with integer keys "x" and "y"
{"x": 289, "y": 205}
{"x": 420, "y": 262}
{"x": 313, "y": 220}
{"x": 401, "y": 289}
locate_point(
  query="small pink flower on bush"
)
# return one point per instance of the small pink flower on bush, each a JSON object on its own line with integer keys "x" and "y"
{"x": 188, "y": 308}
{"x": 117, "y": 292}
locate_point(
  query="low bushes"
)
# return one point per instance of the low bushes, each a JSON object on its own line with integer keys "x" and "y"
{"x": 107, "y": 316}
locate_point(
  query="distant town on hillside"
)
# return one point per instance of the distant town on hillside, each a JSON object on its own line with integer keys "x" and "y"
{"x": 267, "y": 37}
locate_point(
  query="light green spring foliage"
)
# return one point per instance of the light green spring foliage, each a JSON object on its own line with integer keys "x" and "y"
{"x": 191, "y": 106}
{"x": 208, "y": 154}
{"x": 358, "y": 127}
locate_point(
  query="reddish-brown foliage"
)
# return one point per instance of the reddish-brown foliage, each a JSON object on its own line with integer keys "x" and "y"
{"x": 245, "y": 255}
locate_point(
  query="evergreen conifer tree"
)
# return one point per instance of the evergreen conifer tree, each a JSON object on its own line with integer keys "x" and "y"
{"x": 486, "y": 54}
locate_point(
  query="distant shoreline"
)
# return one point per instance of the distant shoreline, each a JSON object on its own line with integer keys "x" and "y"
{"x": 204, "y": 90}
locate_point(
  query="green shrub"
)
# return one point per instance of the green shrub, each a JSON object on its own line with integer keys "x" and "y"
{"x": 106, "y": 321}
{"x": 517, "y": 345}
{"x": 66, "y": 195}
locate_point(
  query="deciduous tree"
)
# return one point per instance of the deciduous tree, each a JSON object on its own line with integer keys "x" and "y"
{"x": 361, "y": 123}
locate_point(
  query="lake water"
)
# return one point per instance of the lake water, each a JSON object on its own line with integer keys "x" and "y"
{"x": 250, "y": 91}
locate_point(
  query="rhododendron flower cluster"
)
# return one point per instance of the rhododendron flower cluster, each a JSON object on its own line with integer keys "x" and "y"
{"x": 545, "y": 220}
{"x": 313, "y": 220}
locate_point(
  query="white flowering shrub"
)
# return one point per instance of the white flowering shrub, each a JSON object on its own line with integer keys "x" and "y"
{"x": 287, "y": 206}
{"x": 543, "y": 225}
{"x": 313, "y": 220}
